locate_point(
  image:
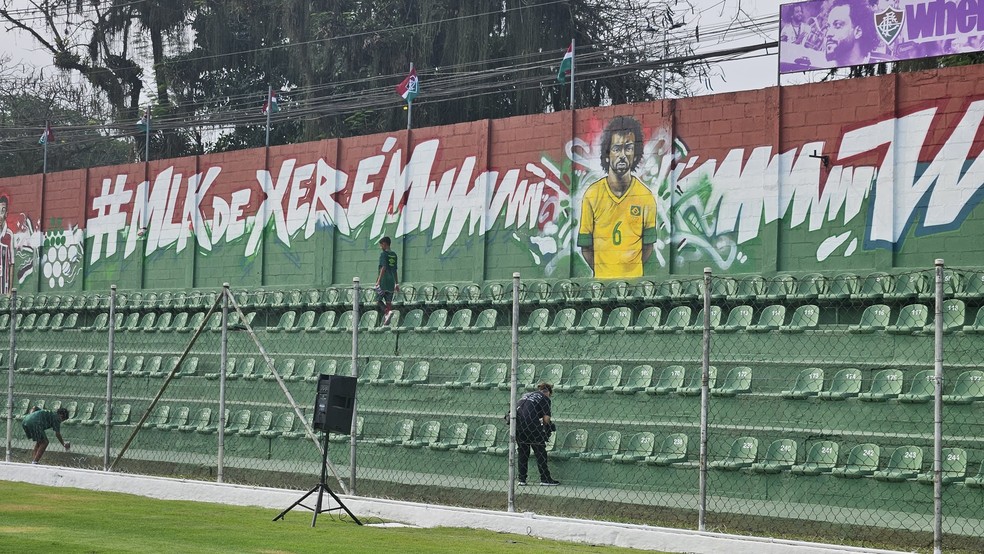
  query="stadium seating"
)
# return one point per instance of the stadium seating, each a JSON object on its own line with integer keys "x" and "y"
{"x": 739, "y": 318}
{"x": 845, "y": 384}
{"x": 576, "y": 379}
{"x": 874, "y": 318}
{"x": 905, "y": 463}
{"x": 536, "y": 321}
{"x": 670, "y": 379}
{"x": 886, "y": 384}
{"x": 436, "y": 321}
{"x": 977, "y": 327}
{"x": 618, "y": 320}
{"x": 460, "y": 321}
{"x": 770, "y": 319}
{"x": 389, "y": 373}
{"x": 525, "y": 375}
{"x": 483, "y": 439}
{"x": 491, "y": 376}
{"x": 808, "y": 287}
{"x": 371, "y": 370}
{"x": 201, "y": 419}
{"x": 921, "y": 389}
{"x": 742, "y": 454}
{"x": 678, "y": 318}
{"x": 574, "y": 443}
{"x": 820, "y": 458}
{"x": 698, "y": 325}
{"x": 648, "y": 320}
{"x": 590, "y": 321}
{"x": 549, "y": 373}
{"x": 158, "y": 416}
{"x": 426, "y": 434}
{"x": 907, "y": 286}
{"x": 452, "y": 439}
{"x": 693, "y": 386}
{"x": 638, "y": 378}
{"x": 841, "y": 287}
{"x": 804, "y": 318}
{"x": 262, "y": 422}
{"x": 779, "y": 456}
{"x": 605, "y": 446}
{"x": 738, "y": 380}
{"x": 485, "y": 321}
{"x": 971, "y": 286}
{"x": 606, "y": 379}
{"x": 283, "y": 423}
{"x": 176, "y": 419}
{"x": 672, "y": 450}
{"x": 778, "y": 288}
{"x": 466, "y": 376}
{"x": 873, "y": 287}
{"x": 809, "y": 382}
{"x": 413, "y": 320}
{"x": 912, "y": 318}
{"x": 417, "y": 374}
{"x": 969, "y": 387}
{"x": 749, "y": 288}
{"x": 862, "y": 461}
{"x": 638, "y": 447}
{"x": 954, "y": 468}
{"x": 977, "y": 481}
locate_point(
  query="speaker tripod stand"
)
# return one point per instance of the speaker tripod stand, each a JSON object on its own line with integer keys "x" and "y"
{"x": 321, "y": 488}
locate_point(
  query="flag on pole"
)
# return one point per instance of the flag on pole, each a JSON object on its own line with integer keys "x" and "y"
{"x": 409, "y": 87}
{"x": 47, "y": 136}
{"x": 566, "y": 64}
{"x": 144, "y": 122}
{"x": 272, "y": 105}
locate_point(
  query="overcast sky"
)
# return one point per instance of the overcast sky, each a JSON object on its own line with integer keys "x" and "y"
{"x": 736, "y": 15}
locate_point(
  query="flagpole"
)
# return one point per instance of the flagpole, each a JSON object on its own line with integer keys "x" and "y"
{"x": 269, "y": 108}
{"x": 409, "y": 104}
{"x": 46, "y": 137}
{"x": 573, "y": 57}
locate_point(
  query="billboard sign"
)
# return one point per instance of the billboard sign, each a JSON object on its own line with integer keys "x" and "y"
{"x": 825, "y": 34}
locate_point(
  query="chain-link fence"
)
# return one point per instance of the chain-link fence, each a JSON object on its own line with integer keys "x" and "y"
{"x": 804, "y": 406}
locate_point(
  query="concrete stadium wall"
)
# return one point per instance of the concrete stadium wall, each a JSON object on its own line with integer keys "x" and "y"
{"x": 739, "y": 180}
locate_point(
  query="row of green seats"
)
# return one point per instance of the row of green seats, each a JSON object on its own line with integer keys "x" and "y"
{"x": 124, "y": 365}
{"x": 243, "y": 422}
{"x": 886, "y": 384}
{"x": 79, "y": 413}
{"x": 863, "y": 460}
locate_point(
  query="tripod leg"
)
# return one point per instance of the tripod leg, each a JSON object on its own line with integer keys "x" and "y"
{"x": 301, "y": 499}
{"x": 317, "y": 506}
{"x": 343, "y": 506}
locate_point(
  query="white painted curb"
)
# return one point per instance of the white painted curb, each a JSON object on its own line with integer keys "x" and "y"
{"x": 426, "y": 515}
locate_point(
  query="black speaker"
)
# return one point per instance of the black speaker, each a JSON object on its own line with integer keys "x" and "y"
{"x": 334, "y": 404}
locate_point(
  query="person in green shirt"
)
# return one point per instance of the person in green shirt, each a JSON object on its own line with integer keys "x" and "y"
{"x": 386, "y": 281}
{"x": 35, "y": 425}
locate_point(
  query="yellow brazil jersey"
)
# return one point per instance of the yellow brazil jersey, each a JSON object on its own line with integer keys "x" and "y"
{"x": 616, "y": 228}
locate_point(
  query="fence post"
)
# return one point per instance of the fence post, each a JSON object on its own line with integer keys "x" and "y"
{"x": 938, "y": 416}
{"x": 513, "y": 387}
{"x": 223, "y": 366}
{"x": 10, "y": 373}
{"x": 109, "y": 376}
{"x": 705, "y": 362}
{"x": 356, "y": 300}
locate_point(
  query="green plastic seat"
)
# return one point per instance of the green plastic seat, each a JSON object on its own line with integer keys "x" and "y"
{"x": 371, "y": 370}
{"x": 670, "y": 379}
{"x": 412, "y": 321}
{"x": 977, "y": 327}
{"x": 100, "y": 323}
{"x": 693, "y": 385}
{"x": 954, "y": 317}
{"x": 972, "y": 286}
{"x": 427, "y": 433}
{"x": 778, "y": 288}
{"x": 841, "y": 287}
{"x": 245, "y": 369}
{"x": 496, "y": 294}
{"x": 873, "y": 318}
{"x": 809, "y": 382}
{"x": 405, "y": 296}
{"x": 158, "y": 416}
{"x": 845, "y": 384}
{"x": 921, "y": 389}
{"x": 452, "y": 439}
{"x": 749, "y": 288}
{"x": 86, "y": 366}
{"x": 134, "y": 366}
{"x": 954, "y": 468}
{"x": 305, "y": 322}
{"x": 324, "y": 322}
{"x": 907, "y": 286}
{"x": 606, "y": 379}
{"x": 343, "y": 324}
{"x": 470, "y": 294}
{"x": 492, "y": 376}
{"x": 779, "y": 456}
{"x": 808, "y": 287}
{"x": 804, "y": 318}
{"x": 483, "y": 439}
{"x": 574, "y": 443}
{"x": 44, "y": 322}
{"x": 536, "y": 321}
{"x": 873, "y": 287}
{"x": 698, "y": 324}
{"x": 723, "y": 288}
{"x": 743, "y": 453}
{"x": 969, "y": 387}
{"x": 179, "y": 323}
{"x": 368, "y": 320}
{"x": 605, "y": 446}
{"x": 447, "y": 295}
{"x": 643, "y": 291}
{"x": 885, "y": 385}
{"x": 576, "y": 379}
{"x": 533, "y": 292}
{"x": 525, "y": 375}
{"x": 618, "y": 320}
{"x": 953, "y": 286}
{"x": 639, "y": 377}
{"x": 306, "y": 371}
{"x": 325, "y": 366}
{"x": 283, "y": 424}
{"x": 178, "y": 418}
{"x": 162, "y": 325}
{"x": 563, "y": 292}
{"x": 213, "y": 426}
{"x": 672, "y": 450}
{"x": 592, "y": 292}
{"x": 905, "y": 463}
{"x": 666, "y": 290}
{"x": 417, "y": 374}
{"x": 590, "y": 321}
{"x": 485, "y": 321}
{"x": 820, "y": 458}
{"x": 85, "y": 412}
{"x": 460, "y": 321}
{"x": 45, "y": 365}
{"x": 195, "y": 322}
{"x": 636, "y": 449}
{"x": 618, "y": 291}
{"x": 231, "y": 374}
{"x": 690, "y": 290}
{"x": 262, "y": 422}
{"x": 862, "y": 461}
{"x": 286, "y": 369}
{"x": 770, "y": 319}
{"x": 402, "y": 431}
{"x": 20, "y": 408}
{"x": 549, "y": 373}
{"x": 678, "y": 318}
{"x": 648, "y": 320}
{"x": 739, "y": 319}
{"x": 912, "y": 318}
{"x": 466, "y": 376}
{"x": 738, "y": 380}
{"x": 389, "y": 373}
{"x": 563, "y": 320}
{"x": 975, "y": 482}
{"x": 202, "y": 418}
{"x": 437, "y": 320}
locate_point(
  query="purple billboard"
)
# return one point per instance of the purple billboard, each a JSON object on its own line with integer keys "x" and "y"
{"x": 823, "y": 34}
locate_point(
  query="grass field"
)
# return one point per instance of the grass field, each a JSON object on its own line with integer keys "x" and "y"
{"x": 39, "y": 519}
